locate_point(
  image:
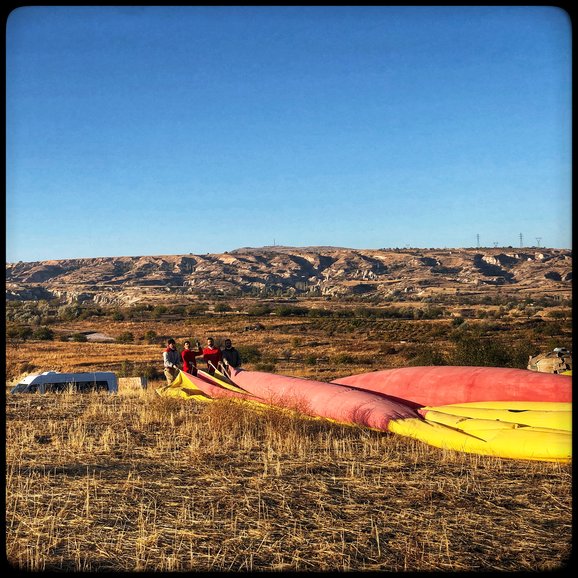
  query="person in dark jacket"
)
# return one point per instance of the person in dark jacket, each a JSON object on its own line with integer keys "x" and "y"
{"x": 231, "y": 357}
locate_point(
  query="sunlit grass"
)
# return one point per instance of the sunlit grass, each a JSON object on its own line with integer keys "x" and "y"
{"x": 136, "y": 482}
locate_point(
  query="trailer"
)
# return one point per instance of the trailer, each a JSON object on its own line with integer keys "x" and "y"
{"x": 56, "y": 382}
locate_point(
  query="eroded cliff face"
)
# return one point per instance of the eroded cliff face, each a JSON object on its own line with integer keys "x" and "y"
{"x": 321, "y": 271}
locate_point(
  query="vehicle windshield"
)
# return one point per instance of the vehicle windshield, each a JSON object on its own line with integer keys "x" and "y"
{"x": 19, "y": 388}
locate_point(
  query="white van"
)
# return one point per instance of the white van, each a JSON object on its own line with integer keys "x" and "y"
{"x": 55, "y": 382}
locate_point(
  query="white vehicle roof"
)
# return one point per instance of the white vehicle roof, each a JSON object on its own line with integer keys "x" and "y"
{"x": 50, "y": 379}
{"x": 58, "y": 377}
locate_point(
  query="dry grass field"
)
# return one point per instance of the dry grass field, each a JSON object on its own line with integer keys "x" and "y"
{"x": 136, "y": 482}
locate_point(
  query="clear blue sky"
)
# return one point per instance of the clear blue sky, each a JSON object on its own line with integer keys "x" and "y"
{"x": 172, "y": 130}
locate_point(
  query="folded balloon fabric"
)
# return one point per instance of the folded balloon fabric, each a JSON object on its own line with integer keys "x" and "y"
{"x": 502, "y": 412}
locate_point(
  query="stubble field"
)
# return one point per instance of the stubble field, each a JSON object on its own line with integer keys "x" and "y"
{"x": 135, "y": 482}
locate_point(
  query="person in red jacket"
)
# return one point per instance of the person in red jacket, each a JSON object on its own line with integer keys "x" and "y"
{"x": 189, "y": 357}
{"x": 212, "y": 355}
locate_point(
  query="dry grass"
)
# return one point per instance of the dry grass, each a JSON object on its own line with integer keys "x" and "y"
{"x": 135, "y": 482}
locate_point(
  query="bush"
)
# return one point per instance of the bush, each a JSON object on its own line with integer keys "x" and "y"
{"x": 43, "y": 333}
{"x": 290, "y": 311}
{"x": 151, "y": 336}
{"x": 69, "y": 312}
{"x": 270, "y": 367}
{"x": 150, "y": 372}
{"x": 79, "y": 337}
{"x": 344, "y": 359}
{"x": 486, "y": 352}
{"x": 425, "y": 355}
{"x": 126, "y": 369}
{"x": 159, "y": 311}
{"x": 222, "y": 308}
{"x": 192, "y": 310}
{"x": 259, "y": 310}
{"x": 315, "y": 312}
{"x": 20, "y": 332}
{"x": 125, "y": 337}
{"x": 249, "y": 353}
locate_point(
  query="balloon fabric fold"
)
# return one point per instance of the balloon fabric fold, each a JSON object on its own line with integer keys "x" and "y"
{"x": 500, "y": 412}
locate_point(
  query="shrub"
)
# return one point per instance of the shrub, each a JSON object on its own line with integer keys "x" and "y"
{"x": 79, "y": 337}
{"x": 310, "y": 359}
{"x": 126, "y": 369}
{"x": 125, "y": 337}
{"x": 270, "y": 367}
{"x": 151, "y": 336}
{"x": 259, "y": 310}
{"x": 27, "y": 367}
{"x": 150, "y": 372}
{"x": 290, "y": 311}
{"x": 43, "y": 333}
{"x": 425, "y": 355}
{"x": 192, "y": 310}
{"x": 433, "y": 313}
{"x": 479, "y": 351}
{"x": 159, "y": 311}
{"x": 19, "y": 332}
{"x": 319, "y": 312}
{"x": 344, "y": 359}
{"x": 222, "y": 308}
{"x": 249, "y": 353}
{"x": 69, "y": 313}
{"x": 559, "y": 314}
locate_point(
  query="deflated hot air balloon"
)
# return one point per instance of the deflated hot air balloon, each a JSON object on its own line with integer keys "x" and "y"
{"x": 339, "y": 403}
{"x": 501, "y": 412}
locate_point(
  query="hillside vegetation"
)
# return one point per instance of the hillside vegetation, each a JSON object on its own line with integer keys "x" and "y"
{"x": 309, "y": 339}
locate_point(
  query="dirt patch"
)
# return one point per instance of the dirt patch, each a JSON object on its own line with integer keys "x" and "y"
{"x": 99, "y": 337}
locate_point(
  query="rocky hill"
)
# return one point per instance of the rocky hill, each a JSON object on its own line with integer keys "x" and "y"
{"x": 325, "y": 271}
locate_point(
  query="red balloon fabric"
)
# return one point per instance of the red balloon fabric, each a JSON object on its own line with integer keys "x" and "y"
{"x": 442, "y": 385}
{"x": 342, "y": 404}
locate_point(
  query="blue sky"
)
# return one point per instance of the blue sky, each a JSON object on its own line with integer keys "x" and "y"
{"x": 172, "y": 130}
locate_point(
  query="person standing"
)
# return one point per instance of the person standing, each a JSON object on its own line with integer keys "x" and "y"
{"x": 189, "y": 357}
{"x": 231, "y": 357}
{"x": 212, "y": 355}
{"x": 171, "y": 361}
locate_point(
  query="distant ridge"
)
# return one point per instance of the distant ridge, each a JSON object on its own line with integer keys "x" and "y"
{"x": 290, "y": 249}
{"x": 380, "y": 274}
